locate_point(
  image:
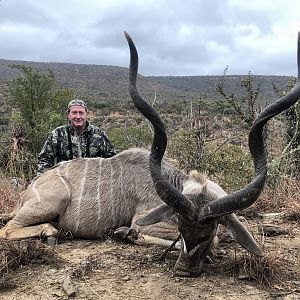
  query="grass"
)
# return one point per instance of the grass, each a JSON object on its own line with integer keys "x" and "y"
{"x": 18, "y": 253}
{"x": 284, "y": 198}
{"x": 8, "y": 195}
{"x": 266, "y": 269}
{"x": 269, "y": 270}
{"x": 272, "y": 271}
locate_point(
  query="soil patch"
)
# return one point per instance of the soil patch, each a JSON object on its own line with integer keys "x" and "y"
{"x": 113, "y": 270}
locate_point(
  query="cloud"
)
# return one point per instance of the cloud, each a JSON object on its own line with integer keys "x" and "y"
{"x": 172, "y": 37}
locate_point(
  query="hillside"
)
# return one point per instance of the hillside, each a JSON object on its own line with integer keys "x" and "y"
{"x": 100, "y": 83}
{"x": 204, "y": 85}
{"x": 97, "y": 82}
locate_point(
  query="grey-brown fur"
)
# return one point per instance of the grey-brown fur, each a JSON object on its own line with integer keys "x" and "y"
{"x": 93, "y": 195}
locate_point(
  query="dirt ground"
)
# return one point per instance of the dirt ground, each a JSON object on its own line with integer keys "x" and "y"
{"x": 113, "y": 270}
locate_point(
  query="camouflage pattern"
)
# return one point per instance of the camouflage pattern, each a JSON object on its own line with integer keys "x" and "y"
{"x": 77, "y": 102}
{"x": 93, "y": 142}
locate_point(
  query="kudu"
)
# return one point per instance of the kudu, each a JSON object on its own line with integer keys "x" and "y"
{"x": 90, "y": 196}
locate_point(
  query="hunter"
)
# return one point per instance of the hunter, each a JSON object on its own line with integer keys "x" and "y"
{"x": 77, "y": 139}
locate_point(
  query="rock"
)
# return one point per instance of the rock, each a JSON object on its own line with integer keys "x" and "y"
{"x": 273, "y": 217}
{"x": 51, "y": 241}
{"x": 126, "y": 278}
{"x": 68, "y": 287}
{"x": 272, "y": 230}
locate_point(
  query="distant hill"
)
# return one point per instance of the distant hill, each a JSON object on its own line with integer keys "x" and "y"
{"x": 204, "y": 85}
{"x": 100, "y": 83}
{"x": 95, "y": 82}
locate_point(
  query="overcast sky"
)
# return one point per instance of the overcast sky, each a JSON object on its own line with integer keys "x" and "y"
{"x": 173, "y": 37}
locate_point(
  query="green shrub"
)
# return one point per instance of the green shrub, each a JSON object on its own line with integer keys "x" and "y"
{"x": 132, "y": 136}
{"x": 38, "y": 105}
{"x": 187, "y": 147}
{"x": 230, "y": 165}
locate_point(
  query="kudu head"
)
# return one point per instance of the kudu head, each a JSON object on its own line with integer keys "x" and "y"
{"x": 200, "y": 211}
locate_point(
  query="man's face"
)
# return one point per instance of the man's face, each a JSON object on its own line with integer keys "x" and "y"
{"x": 77, "y": 116}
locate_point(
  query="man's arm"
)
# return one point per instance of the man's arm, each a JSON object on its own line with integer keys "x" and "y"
{"x": 109, "y": 148}
{"x": 101, "y": 142}
{"x": 46, "y": 158}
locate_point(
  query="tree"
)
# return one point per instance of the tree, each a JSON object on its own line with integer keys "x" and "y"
{"x": 38, "y": 106}
{"x": 244, "y": 105}
{"x": 290, "y": 156}
{"x": 41, "y": 105}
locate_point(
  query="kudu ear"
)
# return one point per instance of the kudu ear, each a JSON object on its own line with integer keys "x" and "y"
{"x": 158, "y": 214}
{"x": 241, "y": 234}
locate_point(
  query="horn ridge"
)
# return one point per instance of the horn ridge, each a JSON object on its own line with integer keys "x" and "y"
{"x": 164, "y": 189}
{"x": 246, "y": 196}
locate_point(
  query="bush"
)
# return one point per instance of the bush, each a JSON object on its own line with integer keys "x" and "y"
{"x": 132, "y": 136}
{"x": 187, "y": 146}
{"x": 230, "y": 165}
{"x": 38, "y": 106}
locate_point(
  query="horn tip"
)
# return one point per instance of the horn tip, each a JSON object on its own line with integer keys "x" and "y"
{"x": 128, "y": 38}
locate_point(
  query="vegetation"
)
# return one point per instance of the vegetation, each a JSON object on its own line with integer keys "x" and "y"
{"x": 245, "y": 106}
{"x": 289, "y": 160}
{"x": 37, "y": 106}
{"x": 131, "y": 136}
{"x": 230, "y": 165}
{"x": 203, "y": 134}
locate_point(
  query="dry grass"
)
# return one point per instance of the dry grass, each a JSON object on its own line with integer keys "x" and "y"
{"x": 286, "y": 193}
{"x": 272, "y": 270}
{"x": 18, "y": 253}
{"x": 14, "y": 254}
{"x": 284, "y": 198}
{"x": 8, "y": 195}
{"x": 266, "y": 269}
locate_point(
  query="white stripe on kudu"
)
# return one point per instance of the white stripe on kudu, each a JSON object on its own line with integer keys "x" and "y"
{"x": 82, "y": 186}
{"x": 36, "y": 191}
{"x": 63, "y": 181}
{"x": 98, "y": 191}
{"x": 111, "y": 193}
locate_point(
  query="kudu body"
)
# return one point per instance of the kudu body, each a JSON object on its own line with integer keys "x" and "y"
{"x": 91, "y": 196}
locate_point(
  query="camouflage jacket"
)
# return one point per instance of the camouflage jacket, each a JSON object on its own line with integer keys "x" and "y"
{"x": 63, "y": 143}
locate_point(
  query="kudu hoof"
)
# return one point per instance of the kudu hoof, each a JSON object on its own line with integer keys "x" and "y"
{"x": 48, "y": 239}
{"x": 125, "y": 233}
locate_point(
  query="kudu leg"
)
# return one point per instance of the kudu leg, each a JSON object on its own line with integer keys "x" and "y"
{"x": 38, "y": 206}
{"x": 161, "y": 234}
{"x": 28, "y": 222}
{"x": 130, "y": 235}
{"x": 161, "y": 230}
{"x": 12, "y": 232}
